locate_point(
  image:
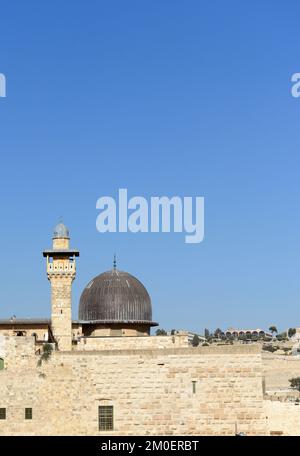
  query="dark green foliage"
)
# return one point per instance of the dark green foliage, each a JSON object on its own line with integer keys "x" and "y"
{"x": 161, "y": 332}
{"x": 218, "y": 332}
{"x": 195, "y": 341}
{"x": 291, "y": 332}
{"x": 295, "y": 383}
{"x": 46, "y": 354}
{"x": 281, "y": 336}
{"x": 269, "y": 348}
{"x": 273, "y": 329}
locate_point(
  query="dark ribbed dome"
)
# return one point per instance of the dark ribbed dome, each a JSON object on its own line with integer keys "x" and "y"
{"x": 115, "y": 297}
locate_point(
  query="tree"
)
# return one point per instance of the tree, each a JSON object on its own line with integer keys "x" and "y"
{"x": 295, "y": 383}
{"x": 281, "y": 336}
{"x": 291, "y": 332}
{"x": 218, "y": 333}
{"x": 273, "y": 329}
{"x": 161, "y": 332}
{"x": 206, "y": 333}
{"x": 195, "y": 341}
{"x": 46, "y": 354}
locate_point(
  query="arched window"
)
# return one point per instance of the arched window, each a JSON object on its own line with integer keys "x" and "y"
{"x": 1, "y": 363}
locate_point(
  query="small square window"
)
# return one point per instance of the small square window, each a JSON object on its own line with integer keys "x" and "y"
{"x": 106, "y": 418}
{"x": 28, "y": 414}
{"x": 2, "y": 413}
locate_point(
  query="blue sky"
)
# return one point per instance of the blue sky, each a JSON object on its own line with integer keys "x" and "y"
{"x": 162, "y": 98}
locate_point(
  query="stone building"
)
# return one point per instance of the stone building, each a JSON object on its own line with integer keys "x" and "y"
{"x": 107, "y": 375}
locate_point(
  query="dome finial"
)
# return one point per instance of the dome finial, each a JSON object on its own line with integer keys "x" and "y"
{"x": 115, "y": 262}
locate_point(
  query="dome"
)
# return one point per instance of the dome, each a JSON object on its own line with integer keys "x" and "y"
{"x": 115, "y": 297}
{"x": 61, "y": 231}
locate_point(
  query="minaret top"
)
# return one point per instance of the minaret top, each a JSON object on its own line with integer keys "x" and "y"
{"x": 61, "y": 243}
{"x": 61, "y": 232}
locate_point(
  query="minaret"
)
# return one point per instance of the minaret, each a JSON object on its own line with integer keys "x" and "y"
{"x": 61, "y": 271}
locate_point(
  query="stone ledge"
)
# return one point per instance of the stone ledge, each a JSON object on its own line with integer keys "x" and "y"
{"x": 218, "y": 350}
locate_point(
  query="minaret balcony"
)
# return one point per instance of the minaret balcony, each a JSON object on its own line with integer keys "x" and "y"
{"x": 61, "y": 268}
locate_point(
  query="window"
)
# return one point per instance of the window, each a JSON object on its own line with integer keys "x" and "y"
{"x": 28, "y": 414}
{"x": 194, "y": 386}
{"x": 106, "y": 418}
{"x": 2, "y": 413}
{"x": 1, "y": 363}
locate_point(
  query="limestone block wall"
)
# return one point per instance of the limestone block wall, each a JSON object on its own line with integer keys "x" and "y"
{"x": 132, "y": 343}
{"x": 113, "y": 330}
{"x": 151, "y": 391}
{"x": 2, "y": 346}
{"x": 11, "y": 330}
{"x": 61, "y": 243}
{"x": 283, "y": 418}
{"x": 278, "y": 369}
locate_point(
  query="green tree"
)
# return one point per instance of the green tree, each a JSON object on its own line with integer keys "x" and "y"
{"x": 195, "y": 341}
{"x": 281, "y": 336}
{"x": 273, "y": 329}
{"x": 218, "y": 332}
{"x": 295, "y": 383}
{"x": 161, "y": 332}
{"x": 46, "y": 354}
{"x": 206, "y": 333}
{"x": 291, "y": 332}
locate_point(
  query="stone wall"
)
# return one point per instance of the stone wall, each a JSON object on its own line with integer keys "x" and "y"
{"x": 132, "y": 343}
{"x": 278, "y": 369}
{"x": 41, "y": 330}
{"x": 283, "y": 418}
{"x": 151, "y": 390}
{"x": 112, "y": 330}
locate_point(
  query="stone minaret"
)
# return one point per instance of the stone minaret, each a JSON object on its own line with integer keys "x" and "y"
{"x": 61, "y": 271}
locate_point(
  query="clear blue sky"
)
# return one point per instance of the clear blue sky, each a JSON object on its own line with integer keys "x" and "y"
{"x": 164, "y": 98}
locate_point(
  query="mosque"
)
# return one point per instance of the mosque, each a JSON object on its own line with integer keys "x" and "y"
{"x": 112, "y": 304}
{"x": 104, "y": 374}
